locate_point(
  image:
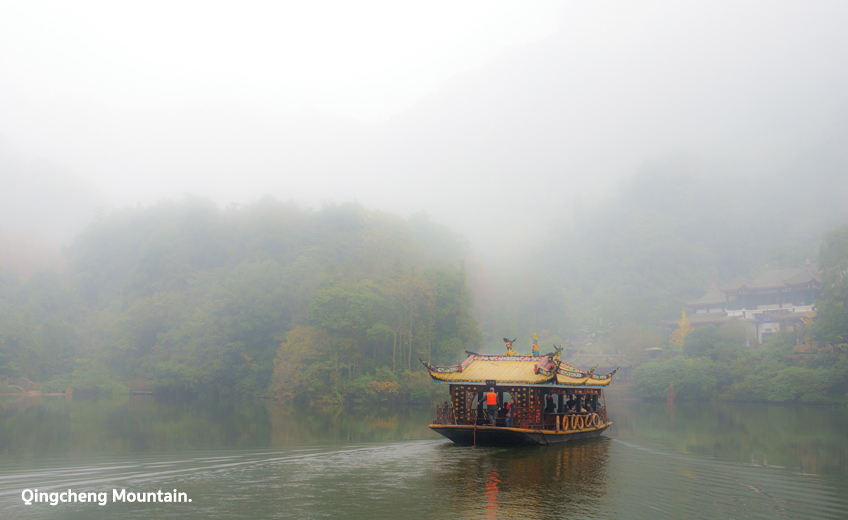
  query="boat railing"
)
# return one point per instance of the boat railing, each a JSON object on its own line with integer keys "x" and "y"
{"x": 445, "y": 414}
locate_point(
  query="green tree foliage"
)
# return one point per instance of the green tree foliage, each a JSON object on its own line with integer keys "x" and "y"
{"x": 832, "y": 310}
{"x": 188, "y": 297}
{"x": 719, "y": 344}
{"x": 700, "y": 342}
{"x": 716, "y": 365}
{"x": 689, "y": 379}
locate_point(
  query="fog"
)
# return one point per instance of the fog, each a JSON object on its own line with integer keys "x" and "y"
{"x": 493, "y": 117}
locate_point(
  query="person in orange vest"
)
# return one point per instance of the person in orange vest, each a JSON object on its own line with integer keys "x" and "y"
{"x": 492, "y": 404}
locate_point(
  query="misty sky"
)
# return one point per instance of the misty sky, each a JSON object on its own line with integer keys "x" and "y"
{"x": 490, "y": 116}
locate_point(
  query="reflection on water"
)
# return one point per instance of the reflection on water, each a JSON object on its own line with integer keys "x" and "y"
{"x": 551, "y": 481}
{"x": 251, "y": 459}
{"x": 49, "y": 426}
{"x": 803, "y": 439}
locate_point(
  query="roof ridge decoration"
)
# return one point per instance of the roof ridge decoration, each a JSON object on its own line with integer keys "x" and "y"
{"x": 509, "y": 350}
{"x": 570, "y": 371}
{"x": 501, "y": 357}
{"x": 441, "y": 370}
{"x": 556, "y": 354}
{"x": 604, "y": 377}
{"x": 572, "y": 368}
{"x": 548, "y": 367}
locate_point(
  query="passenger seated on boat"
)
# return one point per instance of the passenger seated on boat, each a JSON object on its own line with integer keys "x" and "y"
{"x": 570, "y": 404}
{"x": 578, "y": 403}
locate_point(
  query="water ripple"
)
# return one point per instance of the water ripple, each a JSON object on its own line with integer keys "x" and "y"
{"x": 604, "y": 478}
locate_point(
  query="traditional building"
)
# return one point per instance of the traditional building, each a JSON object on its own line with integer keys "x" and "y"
{"x": 775, "y": 300}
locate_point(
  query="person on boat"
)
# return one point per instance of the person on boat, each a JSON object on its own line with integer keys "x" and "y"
{"x": 578, "y": 403}
{"x": 549, "y": 404}
{"x": 569, "y": 405}
{"x": 492, "y": 404}
{"x": 509, "y": 415}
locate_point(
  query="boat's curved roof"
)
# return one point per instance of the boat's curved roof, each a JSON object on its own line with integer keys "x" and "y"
{"x": 520, "y": 370}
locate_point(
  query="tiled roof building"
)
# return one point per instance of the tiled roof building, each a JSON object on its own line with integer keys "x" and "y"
{"x": 775, "y": 300}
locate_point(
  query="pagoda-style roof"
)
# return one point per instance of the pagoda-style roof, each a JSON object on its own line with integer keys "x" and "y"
{"x": 780, "y": 278}
{"x": 518, "y": 370}
{"x": 713, "y": 297}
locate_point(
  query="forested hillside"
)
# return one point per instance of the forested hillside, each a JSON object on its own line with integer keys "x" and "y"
{"x": 616, "y": 268}
{"x": 266, "y": 299}
{"x": 338, "y": 304}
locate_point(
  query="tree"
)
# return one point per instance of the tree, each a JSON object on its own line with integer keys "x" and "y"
{"x": 679, "y": 335}
{"x": 300, "y": 366}
{"x": 597, "y": 328}
{"x": 700, "y": 342}
{"x": 832, "y": 315}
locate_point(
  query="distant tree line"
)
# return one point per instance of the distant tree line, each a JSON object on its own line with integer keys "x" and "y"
{"x": 268, "y": 299}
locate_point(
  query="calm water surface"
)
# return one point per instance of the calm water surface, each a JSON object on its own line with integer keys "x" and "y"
{"x": 254, "y": 459}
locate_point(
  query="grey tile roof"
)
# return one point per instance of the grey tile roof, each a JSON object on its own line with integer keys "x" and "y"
{"x": 783, "y": 277}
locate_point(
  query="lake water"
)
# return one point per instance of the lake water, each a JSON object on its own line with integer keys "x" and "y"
{"x": 255, "y": 459}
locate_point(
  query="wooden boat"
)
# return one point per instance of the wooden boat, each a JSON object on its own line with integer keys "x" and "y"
{"x": 528, "y": 381}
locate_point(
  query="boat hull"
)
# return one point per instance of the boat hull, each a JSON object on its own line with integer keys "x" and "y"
{"x": 501, "y": 436}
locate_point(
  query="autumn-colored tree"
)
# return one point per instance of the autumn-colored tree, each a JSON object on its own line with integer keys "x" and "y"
{"x": 683, "y": 330}
{"x": 296, "y": 362}
{"x": 382, "y": 390}
{"x": 807, "y": 327}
